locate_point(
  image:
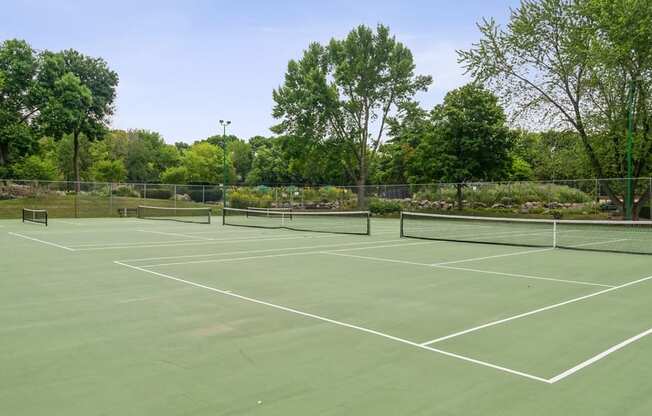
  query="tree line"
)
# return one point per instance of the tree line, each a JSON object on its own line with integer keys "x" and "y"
{"x": 550, "y": 98}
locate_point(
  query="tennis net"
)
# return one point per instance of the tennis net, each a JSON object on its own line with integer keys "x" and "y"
{"x": 613, "y": 236}
{"x": 199, "y": 215}
{"x": 37, "y": 216}
{"x": 338, "y": 222}
{"x": 270, "y": 211}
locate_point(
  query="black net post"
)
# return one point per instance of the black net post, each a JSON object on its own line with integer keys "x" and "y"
{"x": 368, "y": 224}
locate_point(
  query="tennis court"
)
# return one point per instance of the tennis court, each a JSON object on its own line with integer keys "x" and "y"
{"x": 134, "y": 316}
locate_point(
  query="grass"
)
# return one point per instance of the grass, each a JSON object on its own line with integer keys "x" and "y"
{"x": 126, "y": 316}
{"x": 89, "y": 206}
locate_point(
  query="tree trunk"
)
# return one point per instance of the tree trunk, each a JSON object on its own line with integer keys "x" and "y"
{"x": 75, "y": 161}
{"x": 4, "y": 154}
{"x": 362, "y": 181}
{"x": 459, "y": 187}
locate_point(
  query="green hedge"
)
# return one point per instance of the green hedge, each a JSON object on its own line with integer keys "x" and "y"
{"x": 384, "y": 206}
{"x": 507, "y": 194}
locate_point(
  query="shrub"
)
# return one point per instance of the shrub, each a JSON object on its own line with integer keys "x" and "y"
{"x": 159, "y": 193}
{"x": 384, "y": 206}
{"x": 208, "y": 194}
{"x": 126, "y": 191}
{"x": 516, "y": 193}
{"x": 244, "y": 199}
{"x": 327, "y": 194}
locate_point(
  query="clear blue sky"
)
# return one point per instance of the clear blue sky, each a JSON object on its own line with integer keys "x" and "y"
{"x": 183, "y": 65}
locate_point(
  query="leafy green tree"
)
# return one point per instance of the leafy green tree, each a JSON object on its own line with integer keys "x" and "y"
{"x": 109, "y": 171}
{"x": 65, "y": 150}
{"x": 468, "y": 141}
{"x": 552, "y": 155}
{"x": 241, "y": 155}
{"x": 35, "y": 167}
{"x": 269, "y": 165}
{"x": 218, "y": 138}
{"x": 113, "y": 147}
{"x": 80, "y": 94}
{"x": 203, "y": 162}
{"x": 345, "y": 91}
{"x": 520, "y": 170}
{"x": 396, "y": 155}
{"x": 175, "y": 175}
{"x": 571, "y": 64}
{"x": 19, "y": 102}
{"x": 148, "y": 156}
{"x": 181, "y": 146}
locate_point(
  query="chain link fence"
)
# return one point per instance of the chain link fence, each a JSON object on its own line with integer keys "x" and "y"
{"x": 586, "y": 198}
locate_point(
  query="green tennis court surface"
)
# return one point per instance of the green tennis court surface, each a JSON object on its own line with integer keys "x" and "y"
{"x": 139, "y": 317}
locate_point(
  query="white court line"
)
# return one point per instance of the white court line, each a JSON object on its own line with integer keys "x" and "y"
{"x": 42, "y": 242}
{"x": 203, "y": 243}
{"x": 517, "y": 253}
{"x": 520, "y": 276}
{"x": 524, "y": 276}
{"x": 261, "y": 251}
{"x": 335, "y": 322}
{"x": 176, "y": 235}
{"x": 137, "y": 244}
{"x": 265, "y": 256}
{"x": 134, "y": 243}
{"x": 595, "y": 243}
{"x": 68, "y": 222}
{"x": 536, "y": 311}
{"x": 600, "y": 356}
{"x": 268, "y": 256}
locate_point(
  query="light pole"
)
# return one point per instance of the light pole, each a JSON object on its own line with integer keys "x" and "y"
{"x": 552, "y": 162}
{"x": 224, "y": 123}
{"x": 629, "y": 197}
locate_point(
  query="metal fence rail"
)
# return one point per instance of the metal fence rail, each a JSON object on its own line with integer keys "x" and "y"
{"x": 582, "y": 197}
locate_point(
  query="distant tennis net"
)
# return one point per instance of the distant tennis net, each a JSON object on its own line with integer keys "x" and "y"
{"x": 614, "y": 236}
{"x": 37, "y": 216}
{"x": 271, "y": 211}
{"x": 200, "y": 215}
{"x": 340, "y": 222}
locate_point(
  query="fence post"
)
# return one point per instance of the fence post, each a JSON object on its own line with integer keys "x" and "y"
{"x": 174, "y": 195}
{"x": 110, "y": 185}
{"x": 77, "y": 188}
{"x": 597, "y": 196}
{"x": 203, "y": 194}
{"x": 145, "y": 192}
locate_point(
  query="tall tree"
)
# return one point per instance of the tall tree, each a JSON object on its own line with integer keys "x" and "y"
{"x": 19, "y": 102}
{"x": 571, "y": 63}
{"x": 81, "y": 91}
{"x": 345, "y": 91}
{"x": 468, "y": 141}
